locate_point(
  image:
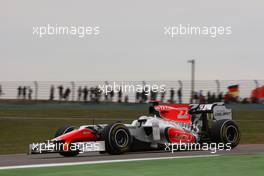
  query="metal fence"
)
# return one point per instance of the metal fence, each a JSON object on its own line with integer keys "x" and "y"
{"x": 41, "y": 90}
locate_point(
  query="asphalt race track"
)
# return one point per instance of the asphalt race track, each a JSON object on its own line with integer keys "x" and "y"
{"x": 24, "y": 159}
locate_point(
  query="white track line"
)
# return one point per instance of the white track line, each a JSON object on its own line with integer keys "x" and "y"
{"x": 100, "y": 162}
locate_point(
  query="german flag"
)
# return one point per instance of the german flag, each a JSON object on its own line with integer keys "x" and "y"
{"x": 233, "y": 90}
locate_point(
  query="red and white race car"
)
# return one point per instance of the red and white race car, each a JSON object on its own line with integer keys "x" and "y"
{"x": 177, "y": 123}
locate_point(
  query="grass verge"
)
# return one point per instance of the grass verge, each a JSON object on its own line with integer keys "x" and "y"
{"x": 216, "y": 166}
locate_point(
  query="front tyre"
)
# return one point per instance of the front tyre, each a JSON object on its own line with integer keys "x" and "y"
{"x": 64, "y": 130}
{"x": 117, "y": 138}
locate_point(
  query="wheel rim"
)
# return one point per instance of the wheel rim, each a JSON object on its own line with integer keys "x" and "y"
{"x": 231, "y": 133}
{"x": 121, "y": 138}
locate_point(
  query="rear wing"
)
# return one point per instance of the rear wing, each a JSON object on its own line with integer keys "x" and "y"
{"x": 182, "y": 112}
{"x": 219, "y": 110}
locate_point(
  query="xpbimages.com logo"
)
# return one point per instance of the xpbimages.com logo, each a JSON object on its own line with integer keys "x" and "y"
{"x": 130, "y": 88}
{"x": 64, "y": 30}
{"x": 212, "y": 147}
{"x": 191, "y": 30}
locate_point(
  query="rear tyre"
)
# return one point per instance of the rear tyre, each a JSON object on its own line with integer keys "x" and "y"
{"x": 64, "y": 130}
{"x": 225, "y": 131}
{"x": 117, "y": 138}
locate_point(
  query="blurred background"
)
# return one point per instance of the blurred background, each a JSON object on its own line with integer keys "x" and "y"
{"x": 205, "y": 91}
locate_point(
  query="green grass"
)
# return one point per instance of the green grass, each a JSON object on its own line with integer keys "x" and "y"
{"x": 22, "y": 126}
{"x": 216, "y": 166}
{"x": 72, "y": 113}
{"x": 251, "y": 124}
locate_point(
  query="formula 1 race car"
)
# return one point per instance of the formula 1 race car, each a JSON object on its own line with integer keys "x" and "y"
{"x": 177, "y": 123}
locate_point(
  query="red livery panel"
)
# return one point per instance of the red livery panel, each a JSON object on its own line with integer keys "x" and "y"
{"x": 175, "y": 112}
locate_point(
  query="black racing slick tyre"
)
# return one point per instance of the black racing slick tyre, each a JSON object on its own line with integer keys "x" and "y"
{"x": 225, "y": 131}
{"x": 64, "y": 130}
{"x": 117, "y": 138}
